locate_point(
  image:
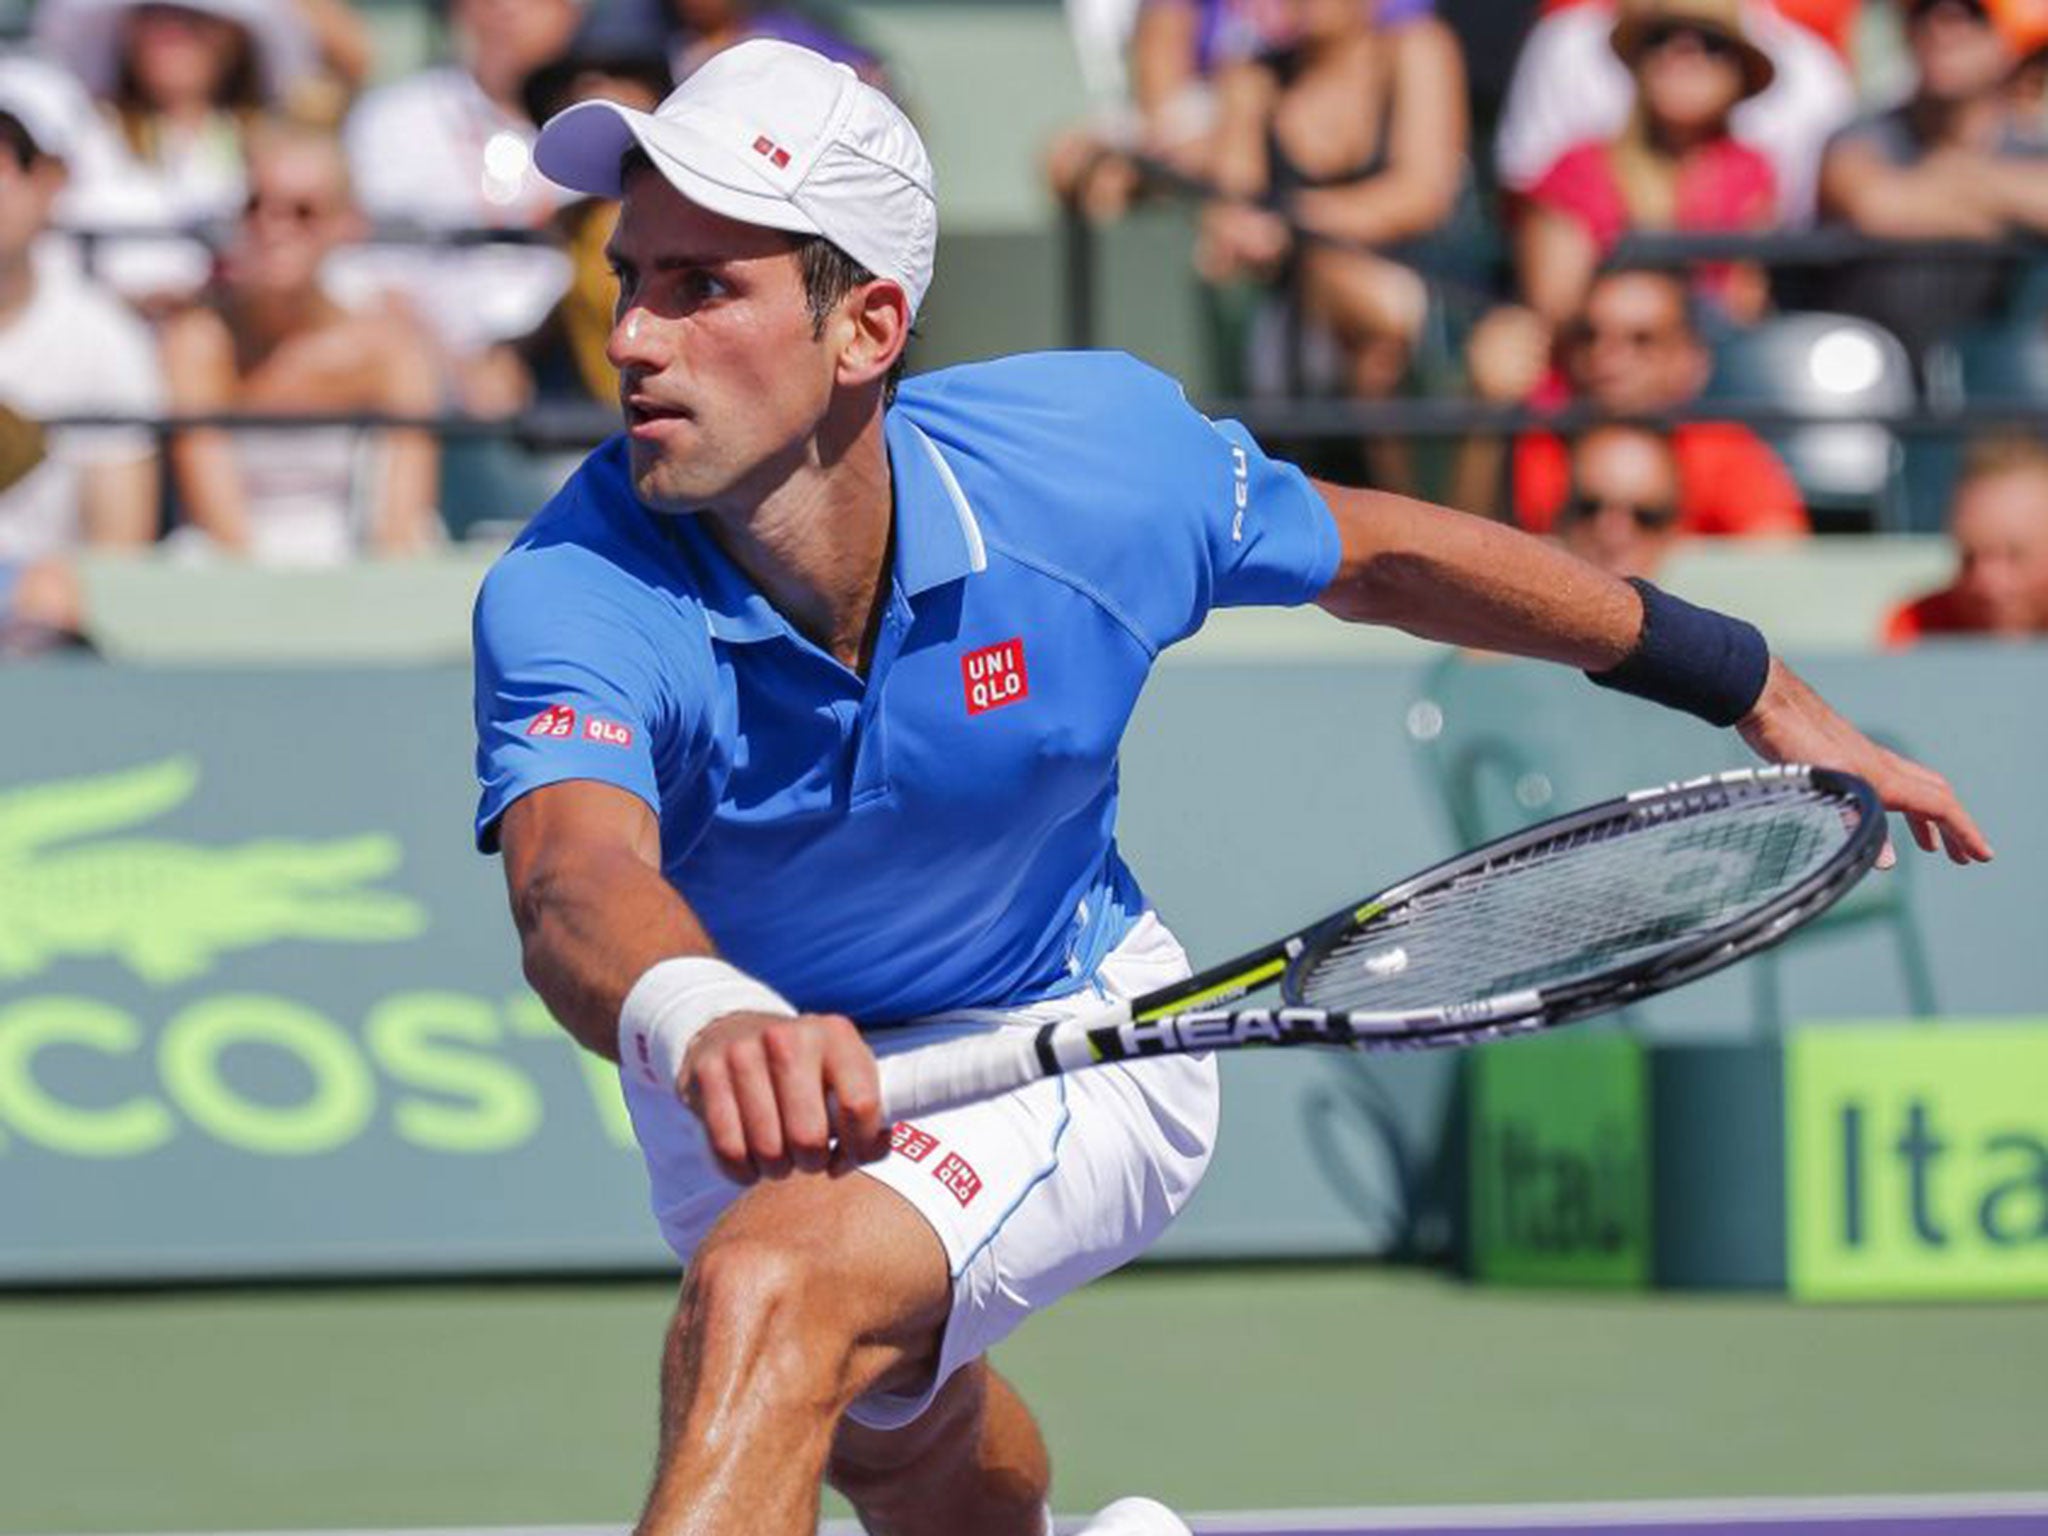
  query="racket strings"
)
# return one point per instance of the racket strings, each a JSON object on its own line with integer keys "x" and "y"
{"x": 1593, "y": 899}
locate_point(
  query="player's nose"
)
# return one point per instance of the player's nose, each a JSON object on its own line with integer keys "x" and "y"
{"x": 635, "y": 341}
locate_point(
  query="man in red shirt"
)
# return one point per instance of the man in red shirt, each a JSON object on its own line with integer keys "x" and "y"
{"x": 1633, "y": 351}
{"x": 1622, "y": 514}
{"x": 1998, "y": 520}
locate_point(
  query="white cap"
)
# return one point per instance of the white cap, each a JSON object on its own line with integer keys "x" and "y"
{"x": 772, "y": 134}
{"x": 46, "y": 101}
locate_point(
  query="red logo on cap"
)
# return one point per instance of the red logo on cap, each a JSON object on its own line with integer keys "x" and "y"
{"x": 994, "y": 676}
{"x": 772, "y": 151}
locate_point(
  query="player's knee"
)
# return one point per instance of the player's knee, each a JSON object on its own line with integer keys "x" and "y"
{"x": 762, "y": 1305}
{"x": 869, "y": 1466}
{"x": 948, "y": 1447}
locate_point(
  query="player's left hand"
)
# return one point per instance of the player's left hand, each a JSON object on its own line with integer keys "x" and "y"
{"x": 1793, "y": 724}
{"x": 780, "y": 1095}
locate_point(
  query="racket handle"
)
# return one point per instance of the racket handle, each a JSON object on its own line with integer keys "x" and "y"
{"x": 936, "y": 1077}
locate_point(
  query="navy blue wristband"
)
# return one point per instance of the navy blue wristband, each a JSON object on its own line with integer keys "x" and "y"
{"x": 1693, "y": 659}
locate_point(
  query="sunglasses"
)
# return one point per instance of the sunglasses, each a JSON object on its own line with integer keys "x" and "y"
{"x": 300, "y": 210}
{"x": 1637, "y": 338}
{"x": 1969, "y": 10}
{"x": 1662, "y": 34}
{"x": 1649, "y": 517}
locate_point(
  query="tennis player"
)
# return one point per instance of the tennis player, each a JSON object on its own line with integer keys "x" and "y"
{"x": 799, "y": 711}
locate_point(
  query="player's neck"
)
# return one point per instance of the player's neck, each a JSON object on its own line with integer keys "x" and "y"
{"x": 818, "y": 544}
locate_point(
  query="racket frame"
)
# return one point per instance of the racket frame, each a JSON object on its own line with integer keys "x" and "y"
{"x": 1195, "y": 1014}
{"x": 1162, "y": 1020}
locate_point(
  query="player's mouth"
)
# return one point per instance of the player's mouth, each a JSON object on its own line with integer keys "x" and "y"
{"x": 647, "y": 417}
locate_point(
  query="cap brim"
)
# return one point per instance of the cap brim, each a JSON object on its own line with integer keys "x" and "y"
{"x": 582, "y": 149}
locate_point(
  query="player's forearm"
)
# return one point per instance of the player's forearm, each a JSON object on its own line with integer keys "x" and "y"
{"x": 589, "y": 929}
{"x": 1465, "y": 580}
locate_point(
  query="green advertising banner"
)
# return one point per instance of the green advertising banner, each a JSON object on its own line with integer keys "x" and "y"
{"x": 260, "y": 1005}
{"x": 1918, "y": 1160}
{"x": 1559, "y": 1177}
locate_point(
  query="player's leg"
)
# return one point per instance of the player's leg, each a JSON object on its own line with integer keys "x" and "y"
{"x": 973, "y": 1461}
{"x": 805, "y": 1295}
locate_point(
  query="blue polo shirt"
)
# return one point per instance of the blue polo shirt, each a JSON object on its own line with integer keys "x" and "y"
{"x": 941, "y": 832}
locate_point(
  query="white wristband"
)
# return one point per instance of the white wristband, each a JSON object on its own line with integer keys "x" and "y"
{"x": 673, "y": 1001}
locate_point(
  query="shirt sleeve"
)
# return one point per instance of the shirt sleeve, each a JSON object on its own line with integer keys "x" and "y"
{"x": 1225, "y": 525}
{"x": 570, "y": 683}
{"x": 1278, "y": 544}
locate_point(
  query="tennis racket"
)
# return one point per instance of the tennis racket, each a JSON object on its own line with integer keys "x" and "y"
{"x": 1578, "y": 915}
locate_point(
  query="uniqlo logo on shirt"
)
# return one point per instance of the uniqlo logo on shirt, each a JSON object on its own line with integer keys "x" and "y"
{"x": 906, "y": 1140}
{"x": 994, "y": 676}
{"x": 772, "y": 152}
{"x": 557, "y": 722}
{"x": 958, "y": 1175}
{"x": 607, "y": 732}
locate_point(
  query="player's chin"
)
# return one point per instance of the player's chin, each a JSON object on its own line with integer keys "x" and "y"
{"x": 665, "y": 483}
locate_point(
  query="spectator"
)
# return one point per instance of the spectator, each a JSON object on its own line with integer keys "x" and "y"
{"x": 1998, "y": 522}
{"x": 1570, "y": 88}
{"x": 1622, "y": 514}
{"x": 1356, "y": 134}
{"x": 1634, "y": 352}
{"x": 1672, "y": 167}
{"x": 451, "y": 149}
{"x": 67, "y": 348}
{"x": 178, "y": 83}
{"x": 269, "y": 341}
{"x": 1169, "y": 114}
{"x": 182, "y": 82}
{"x": 568, "y": 356}
{"x": 1953, "y": 161}
{"x": 1164, "y": 106}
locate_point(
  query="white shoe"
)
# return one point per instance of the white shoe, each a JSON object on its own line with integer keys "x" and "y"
{"x": 1136, "y": 1517}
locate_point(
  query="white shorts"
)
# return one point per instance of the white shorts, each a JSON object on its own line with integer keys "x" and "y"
{"x": 1032, "y": 1194}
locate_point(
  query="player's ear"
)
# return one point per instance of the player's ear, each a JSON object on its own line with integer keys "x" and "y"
{"x": 878, "y": 329}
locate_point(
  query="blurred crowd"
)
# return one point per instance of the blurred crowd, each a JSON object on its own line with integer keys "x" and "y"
{"x": 219, "y": 212}
{"x": 1410, "y": 243}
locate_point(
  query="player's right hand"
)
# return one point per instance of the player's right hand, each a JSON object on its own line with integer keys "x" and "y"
{"x": 784, "y": 1095}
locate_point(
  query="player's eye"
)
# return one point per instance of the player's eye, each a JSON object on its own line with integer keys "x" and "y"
{"x": 699, "y": 286}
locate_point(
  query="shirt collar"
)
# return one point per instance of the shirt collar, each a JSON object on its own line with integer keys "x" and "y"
{"x": 734, "y": 608}
{"x": 938, "y": 537}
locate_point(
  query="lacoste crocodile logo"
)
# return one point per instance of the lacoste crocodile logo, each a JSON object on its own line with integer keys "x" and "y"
{"x": 169, "y": 910}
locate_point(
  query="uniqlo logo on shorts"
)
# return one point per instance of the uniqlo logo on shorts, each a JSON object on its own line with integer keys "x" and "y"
{"x": 906, "y": 1140}
{"x": 958, "y": 1175}
{"x": 772, "y": 152}
{"x": 994, "y": 676}
{"x": 607, "y": 733}
{"x": 557, "y": 722}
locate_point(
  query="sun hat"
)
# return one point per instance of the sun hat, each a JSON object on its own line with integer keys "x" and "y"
{"x": 772, "y": 134}
{"x": 1638, "y": 19}
{"x": 46, "y": 101}
{"x": 85, "y": 36}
